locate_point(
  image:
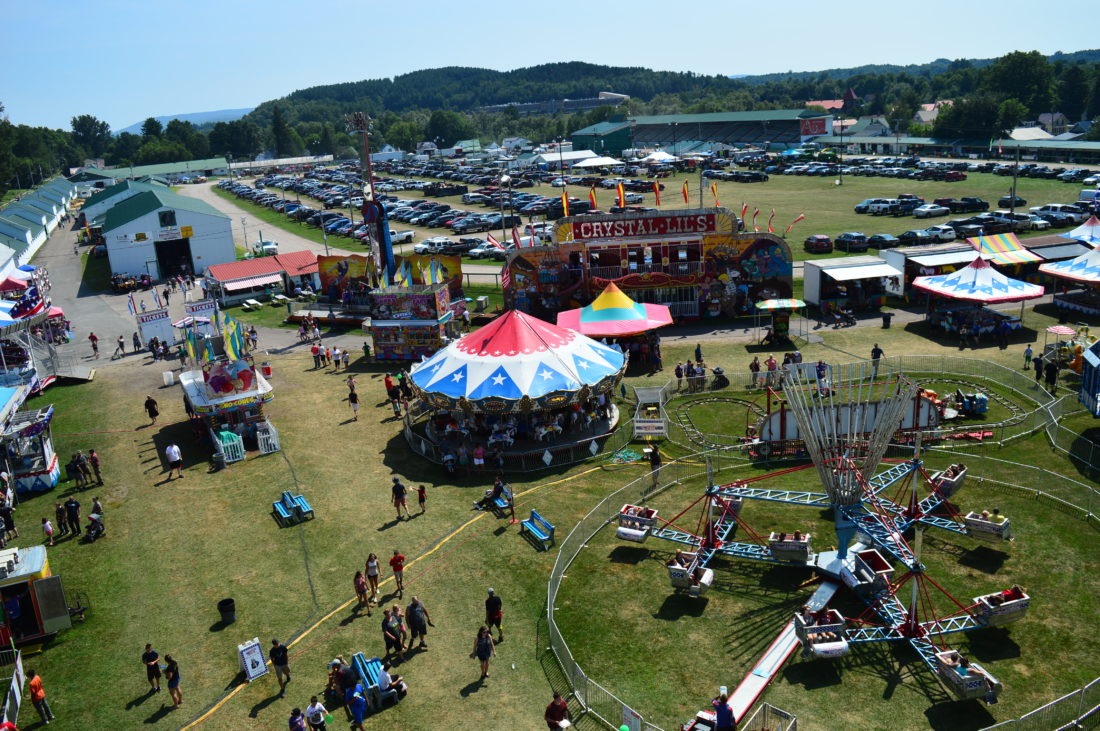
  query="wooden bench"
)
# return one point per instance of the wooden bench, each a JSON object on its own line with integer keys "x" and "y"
{"x": 291, "y": 509}
{"x": 539, "y": 528}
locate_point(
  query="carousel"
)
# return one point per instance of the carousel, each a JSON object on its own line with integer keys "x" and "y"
{"x": 957, "y": 301}
{"x": 518, "y": 385}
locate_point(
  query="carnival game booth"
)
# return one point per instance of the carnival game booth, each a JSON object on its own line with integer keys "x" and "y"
{"x": 228, "y": 395}
{"x": 618, "y": 319}
{"x": 28, "y": 448}
{"x": 956, "y": 300}
{"x": 516, "y": 385}
{"x": 33, "y": 597}
{"x": 925, "y": 261}
{"x": 409, "y": 323}
{"x": 854, "y": 283}
{"x": 694, "y": 261}
{"x": 1082, "y": 272}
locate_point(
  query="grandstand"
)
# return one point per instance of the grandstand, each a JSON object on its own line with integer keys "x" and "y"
{"x": 773, "y": 128}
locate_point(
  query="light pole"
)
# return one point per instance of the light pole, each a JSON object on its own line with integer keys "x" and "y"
{"x": 244, "y": 232}
{"x": 505, "y": 180}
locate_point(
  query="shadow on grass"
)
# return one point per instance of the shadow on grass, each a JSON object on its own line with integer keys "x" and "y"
{"x": 630, "y": 555}
{"x": 140, "y": 699}
{"x": 813, "y": 674}
{"x": 255, "y": 711}
{"x": 958, "y": 715}
{"x": 471, "y": 688}
{"x": 161, "y": 713}
{"x": 985, "y": 559}
{"x": 991, "y": 644}
{"x": 677, "y": 606}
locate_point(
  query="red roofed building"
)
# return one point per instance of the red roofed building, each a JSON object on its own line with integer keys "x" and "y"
{"x": 237, "y": 281}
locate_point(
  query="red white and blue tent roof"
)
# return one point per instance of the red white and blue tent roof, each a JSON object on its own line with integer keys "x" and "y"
{"x": 1089, "y": 231}
{"x": 514, "y": 356}
{"x": 614, "y": 314}
{"x": 1084, "y": 268}
{"x": 978, "y": 282}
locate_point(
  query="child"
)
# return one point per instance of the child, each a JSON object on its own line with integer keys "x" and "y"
{"x": 421, "y": 496}
{"x": 346, "y": 357}
{"x": 47, "y": 528}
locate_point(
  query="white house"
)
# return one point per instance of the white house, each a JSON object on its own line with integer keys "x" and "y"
{"x": 103, "y": 200}
{"x": 162, "y": 233}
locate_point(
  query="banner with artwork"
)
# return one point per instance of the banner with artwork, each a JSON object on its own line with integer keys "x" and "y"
{"x": 445, "y": 269}
{"x": 339, "y": 273}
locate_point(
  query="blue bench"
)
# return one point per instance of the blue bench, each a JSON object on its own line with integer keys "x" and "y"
{"x": 539, "y": 528}
{"x": 368, "y": 671}
{"x": 291, "y": 509}
{"x": 503, "y": 503}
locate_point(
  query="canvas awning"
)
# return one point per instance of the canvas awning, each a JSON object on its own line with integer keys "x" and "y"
{"x": 1063, "y": 251}
{"x": 864, "y": 271}
{"x": 253, "y": 282}
{"x": 939, "y": 260}
{"x": 1003, "y": 249}
{"x": 978, "y": 282}
{"x": 598, "y": 162}
{"x": 11, "y": 284}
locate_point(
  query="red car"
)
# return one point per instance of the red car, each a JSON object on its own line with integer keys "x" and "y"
{"x": 953, "y": 176}
{"x": 818, "y": 244}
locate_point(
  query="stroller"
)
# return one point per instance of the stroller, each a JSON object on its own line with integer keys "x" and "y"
{"x": 96, "y": 529}
{"x": 720, "y": 380}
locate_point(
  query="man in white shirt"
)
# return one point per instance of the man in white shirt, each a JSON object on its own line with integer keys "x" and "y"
{"x": 175, "y": 459}
{"x": 315, "y": 714}
{"x": 386, "y": 682}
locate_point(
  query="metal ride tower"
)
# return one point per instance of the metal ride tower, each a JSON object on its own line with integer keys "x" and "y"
{"x": 847, "y": 418}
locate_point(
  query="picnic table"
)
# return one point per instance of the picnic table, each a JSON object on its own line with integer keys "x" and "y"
{"x": 252, "y": 304}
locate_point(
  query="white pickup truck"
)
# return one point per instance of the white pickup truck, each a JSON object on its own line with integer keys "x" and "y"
{"x": 265, "y": 248}
{"x": 402, "y": 237}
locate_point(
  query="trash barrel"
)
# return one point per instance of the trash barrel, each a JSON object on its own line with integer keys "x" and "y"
{"x": 265, "y": 368}
{"x": 228, "y": 609}
{"x": 886, "y": 317}
{"x": 169, "y": 377}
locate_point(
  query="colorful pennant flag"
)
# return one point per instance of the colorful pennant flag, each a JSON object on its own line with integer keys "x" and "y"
{"x": 657, "y": 192}
{"x": 156, "y": 297}
{"x": 505, "y": 277}
{"x": 515, "y": 236}
{"x": 229, "y": 345}
{"x": 592, "y": 197}
{"x": 209, "y": 351}
{"x": 800, "y": 217}
{"x": 744, "y": 211}
{"x": 714, "y": 192}
{"x": 685, "y": 191}
{"x": 492, "y": 241}
{"x": 755, "y": 213}
{"x": 565, "y": 203}
{"x": 621, "y": 191}
{"x": 130, "y": 304}
{"x": 770, "y": 221}
{"x": 191, "y": 343}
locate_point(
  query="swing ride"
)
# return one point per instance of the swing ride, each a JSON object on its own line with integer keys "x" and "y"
{"x": 846, "y": 426}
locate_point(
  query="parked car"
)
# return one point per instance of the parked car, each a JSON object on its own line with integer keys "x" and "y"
{"x": 865, "y": 206}
{"x": 1008, "y": 201}
{"x": 969, "y": 204}
{"x": 930, "y": 210}
{"x": 1038, "y": 224}
{"x": 434, "y": 245}
{"x": 818, "y": 244}
{"x": 402, "y": 237}
{"x": 883, "y": 241}
{"x": 1077, "y": 215}
{"x": 915, "y": 237}
{"x": 941, "y": 232}
{"x": 852, "y": 241}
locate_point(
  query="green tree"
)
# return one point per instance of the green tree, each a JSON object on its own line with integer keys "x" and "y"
{"x": 1026, "y": 76}
{"x": 281, "y": 134}
{"x": 404, "y": 135}
{"x": 1092, "y": 108}
{"x": 1073, "y": 91}
{"x": 974, "y": 117}
{"x": 125, "y": 149}
{"x": 1010, "y": 113}
{"x": 325, "y": 145}
{"x": 187, "y": 135}
{"x": 151, "y": 128}
{"x": 157, "y": 150}
{"x": 94, "y": 135}
{"x": 449, "y": 127}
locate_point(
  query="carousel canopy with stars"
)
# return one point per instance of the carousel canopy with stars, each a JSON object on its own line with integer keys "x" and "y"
{"x": 978, "y": 282}
{"x": 1084, "y": 269}
{"x": 614, "y": 314}
{"x": 517, "y": 362}
{"x": 1088, "y": 232}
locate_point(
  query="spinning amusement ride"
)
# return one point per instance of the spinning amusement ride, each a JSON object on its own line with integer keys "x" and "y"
{"x": 846, "y": 424}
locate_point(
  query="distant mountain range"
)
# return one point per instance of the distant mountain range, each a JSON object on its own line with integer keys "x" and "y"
{"x": 196, "y": 118}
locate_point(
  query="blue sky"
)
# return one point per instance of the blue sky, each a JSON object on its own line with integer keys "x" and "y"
{"x": 123, "y": 61}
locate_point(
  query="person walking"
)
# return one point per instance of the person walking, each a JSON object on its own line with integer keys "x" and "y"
{"x": 136, "y": 341}
{"x": 47, "y": 531}
{"x": 1051, "y": 372}
{"x": 152, "y": 409}
{"x": 494, "y": 614}
{"x": 172, "y": 675}
{"x": 419, "y": 621}
{"x": 7, "y": 515}
{"x": 316, "y": 351}
{"x": 280, "y": 660}
{"x": 397, "y": 564}
{"x": 346, "y": 357}
{"x": 391, "y": 634}
{"x": 352, "y": 383}
{"x": 94, "y": 340}
{"x": 1037, "y": 363}
{"x": 60, "y": 518}
{"x": 353, "y": 401}
{"x": 335, "y": 359}
{"x": 754, "y": 368}
{"x": 120, "y": 349}
{"x": 297, "y": 720}
{"x": 556, "y": 712}
{"x": 152, "y": 667}
{"x": 72, "y": 515}
{"x": 698, "y": 353}
{"x": 360, "y": 583}
{"x": 1028, "y": 352}
{"x": 422, "y": 497}
{"x": 175, "y": 459}
{"x": 483, "y": 650}
{"x": 679, "y": 373}
{"x": 315, "y": 714}
{"x": 356, "y": 699}
{"x": 400, "y": 499}
{"x": 876, "y": 354}
{"x": 723, "y": 714}
{"x": 93, "y": 460}
{"x": 372, "y": 575}
{"x": 38, "y": 696}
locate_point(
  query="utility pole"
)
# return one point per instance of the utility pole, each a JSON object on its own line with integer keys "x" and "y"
{"x": 1015, "y": 174}
{"x": 244, "y": 232}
